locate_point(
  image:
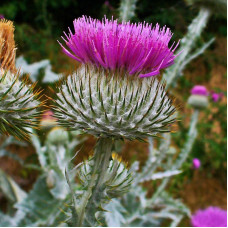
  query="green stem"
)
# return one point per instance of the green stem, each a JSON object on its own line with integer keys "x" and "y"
{"x": 102, "y": 155}
{"x": 150, "y": 168}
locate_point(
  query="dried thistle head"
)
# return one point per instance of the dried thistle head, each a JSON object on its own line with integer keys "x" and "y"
{"x": 18, "y": 101}
{"x": 18, "y": 106}
{"x": 7, "y": 46}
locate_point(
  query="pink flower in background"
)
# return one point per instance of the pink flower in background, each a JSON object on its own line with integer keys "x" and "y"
{"x": 1, "y": 16}
{"x": 210, "y": 217}
{"x": 137, "y": 48}
{"x": 196, "y": 163}
{"x": 216, "y": 96}
{"x": 48, "y": 115}
{"x": 48, "y": 120}
{"x": 199, "y": 90}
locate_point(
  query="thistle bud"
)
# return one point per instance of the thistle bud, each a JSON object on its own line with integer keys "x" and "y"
{"x": 198, "y": 99}
{"x": 196, "y": 163}
{"x": 57, "y": 136}
{"x": 48, "y": 121}
{"x": 116, "y": 181}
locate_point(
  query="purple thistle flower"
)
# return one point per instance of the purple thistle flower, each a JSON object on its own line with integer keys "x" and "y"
{"x": 196, "y": 163}
{"x": 210, "y": 217}
{"x": 1, "y": 16}
{"x": 199, "y": 90}
{"x": 216, "y": 96}
{"x": 137, "y": 48}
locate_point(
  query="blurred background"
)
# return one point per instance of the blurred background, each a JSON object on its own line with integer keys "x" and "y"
{"x": 40, "y": 23}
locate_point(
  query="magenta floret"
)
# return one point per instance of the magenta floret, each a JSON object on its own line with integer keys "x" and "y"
{"x": 137, "y": 48}
{"x": 196, "y": 163}
{"x": 210, "y": 217}
{"x": 199, "y": 90}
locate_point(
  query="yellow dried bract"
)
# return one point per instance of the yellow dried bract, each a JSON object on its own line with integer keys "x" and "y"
{"x": 7, "y": 46}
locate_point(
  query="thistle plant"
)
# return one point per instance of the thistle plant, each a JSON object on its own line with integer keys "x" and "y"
{"x": 112, "y": 96}
{"x": 162, "y": 163}
{"x": 43, "y": 204}
{"x": 199, "y": 97}
{"x": 18, "y": 102}
{"x": 198, "y": 100}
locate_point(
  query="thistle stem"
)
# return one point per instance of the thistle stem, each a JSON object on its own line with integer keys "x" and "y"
{"x": 102, "y": 155}
{"x": 186, "y": 46}
{"x": 127, "y": 9}
{"x": 192, "y": 133}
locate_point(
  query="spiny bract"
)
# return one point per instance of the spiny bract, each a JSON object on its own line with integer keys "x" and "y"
{"x": 104, "y": 104}
{"x": 17, "y": 105}
{"x": 117, "y": 179}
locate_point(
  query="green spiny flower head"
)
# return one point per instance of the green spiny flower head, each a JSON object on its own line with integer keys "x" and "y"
{"x": 115, "y": 182}
{"x": 18, "y": 105}
{"x": 108, "y": 104}
{"x": 117, "y": 179}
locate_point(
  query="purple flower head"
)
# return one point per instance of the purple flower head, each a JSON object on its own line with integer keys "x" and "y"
{"x": 210, "y": 217}
{"x": 216, "y": 96}
{"x": 137, "y": 48}
{"x": 199, "y": 90}
{"x": 196, "y": 163}
{"x": 1, "y": 16}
